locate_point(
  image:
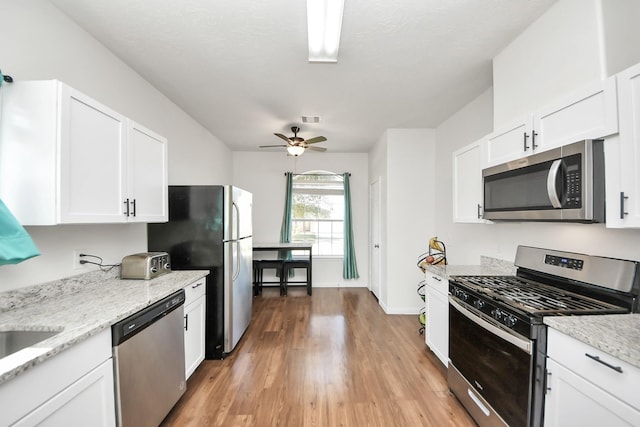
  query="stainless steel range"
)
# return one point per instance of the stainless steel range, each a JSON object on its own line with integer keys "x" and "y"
{"x": 497, "y": 339}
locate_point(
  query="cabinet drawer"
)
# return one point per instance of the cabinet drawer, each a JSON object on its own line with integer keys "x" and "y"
{"x": 437, "y": 283}
{"x": 194, "y": 290}
{"x": 579, "y": 358}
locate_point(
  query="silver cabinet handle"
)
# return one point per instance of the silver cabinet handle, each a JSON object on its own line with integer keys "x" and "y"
{"x": 437, "y": 278}
{"x": 608, "y": 365}
{"x": 479, "y": 207}
{"x": 126, "y": 203}
{"x": 526, "y": 147}
{"x": 133, "y": 202}
{"x": 533, "y": 140}
{"x": 186, "y": 322}
{"x": 197, "y": 285}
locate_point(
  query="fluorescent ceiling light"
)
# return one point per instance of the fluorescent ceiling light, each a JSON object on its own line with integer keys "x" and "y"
{"x": 295, "y": 150}
{"x": 324, "y": 22}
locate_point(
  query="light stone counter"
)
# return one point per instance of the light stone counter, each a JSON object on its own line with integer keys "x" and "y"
{"x": 615, "y": 334}
{"x": 79, "y": 307}
{"x": 488, "y": 267}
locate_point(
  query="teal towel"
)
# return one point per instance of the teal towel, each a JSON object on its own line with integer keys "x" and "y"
{"x": 15, "y": 243}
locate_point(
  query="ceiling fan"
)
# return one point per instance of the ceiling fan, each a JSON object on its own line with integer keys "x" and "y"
{"x": 296, "y": 145}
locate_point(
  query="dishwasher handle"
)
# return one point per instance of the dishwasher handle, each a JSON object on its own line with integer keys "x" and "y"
{"x": 127, "y": 328}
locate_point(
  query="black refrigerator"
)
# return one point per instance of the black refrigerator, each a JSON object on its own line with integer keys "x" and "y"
{"x": 210, "y": 228}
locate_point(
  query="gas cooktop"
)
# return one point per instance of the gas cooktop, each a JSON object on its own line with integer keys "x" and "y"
{"x": 536, "y": 299}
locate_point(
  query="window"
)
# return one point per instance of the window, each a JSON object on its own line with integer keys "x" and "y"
{"x": 318, "y": 212}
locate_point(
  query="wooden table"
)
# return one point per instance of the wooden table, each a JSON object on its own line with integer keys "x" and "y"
{"x": 301, "y": 246}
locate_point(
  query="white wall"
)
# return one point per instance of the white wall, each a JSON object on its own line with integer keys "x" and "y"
{"x": 622, "y": 35}
{"x": 556, "y": 54}
{"x": 575, "y": 43}
{"x": 38, "y": 43}
{"x": 404, "y": 160}
{"x": 262, "y": 173}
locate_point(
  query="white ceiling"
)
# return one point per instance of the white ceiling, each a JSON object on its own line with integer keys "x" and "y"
{"x": 240, "y": 68}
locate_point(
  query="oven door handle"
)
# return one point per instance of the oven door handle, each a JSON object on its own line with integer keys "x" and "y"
{"x": 521, "y": 343}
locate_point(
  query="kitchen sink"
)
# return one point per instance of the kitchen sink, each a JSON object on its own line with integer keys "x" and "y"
{"x": 14, "y": 341}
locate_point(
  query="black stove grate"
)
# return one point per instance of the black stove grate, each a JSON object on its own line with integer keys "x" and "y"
{"x": 536, "y": 298}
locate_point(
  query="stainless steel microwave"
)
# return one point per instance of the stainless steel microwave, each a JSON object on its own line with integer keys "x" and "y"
{"x": 563, "y": 184}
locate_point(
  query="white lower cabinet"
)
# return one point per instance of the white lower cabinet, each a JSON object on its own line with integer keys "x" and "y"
{"x": 194, "y": 325}
{"x": 437, "y": 321}
{"x": 73, "y": 388}
{"x": 587, "y": 387}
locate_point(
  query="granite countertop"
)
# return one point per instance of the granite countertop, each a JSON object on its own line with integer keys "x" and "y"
{"x": 488, "y": 267}
{"x": 615, "y": 334}
{"x": 79, "y": 307}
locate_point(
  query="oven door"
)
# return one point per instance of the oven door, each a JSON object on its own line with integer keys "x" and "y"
{"x": 490, "y": 369}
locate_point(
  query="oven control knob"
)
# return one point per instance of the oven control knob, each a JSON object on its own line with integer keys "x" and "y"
{"x": 479, "y": 304}
{"x": 510, "y": 321}
{"x": 496, "y": 314}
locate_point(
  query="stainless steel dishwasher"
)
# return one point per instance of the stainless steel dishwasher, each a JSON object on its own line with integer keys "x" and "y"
{"x": 148, "y": 353}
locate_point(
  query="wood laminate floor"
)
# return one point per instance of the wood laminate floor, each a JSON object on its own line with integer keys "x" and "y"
{"x": 332, "y": 359}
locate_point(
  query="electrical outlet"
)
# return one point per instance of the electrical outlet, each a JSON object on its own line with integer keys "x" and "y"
{"x": 77, "y": 258}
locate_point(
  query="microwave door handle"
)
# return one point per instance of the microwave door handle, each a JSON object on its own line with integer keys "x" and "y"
{"x": 552, "y": 178}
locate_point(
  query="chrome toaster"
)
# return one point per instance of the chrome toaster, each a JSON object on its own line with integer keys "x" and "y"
{"x": 145, "y": 265}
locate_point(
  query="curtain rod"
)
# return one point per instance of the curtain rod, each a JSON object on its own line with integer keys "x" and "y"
{"x": 316, "y": 174}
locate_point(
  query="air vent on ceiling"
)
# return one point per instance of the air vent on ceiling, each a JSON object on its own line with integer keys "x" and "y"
{"x": 310, "y": 119}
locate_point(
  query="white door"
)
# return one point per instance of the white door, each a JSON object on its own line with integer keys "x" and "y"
{"x": 376, "y": 254}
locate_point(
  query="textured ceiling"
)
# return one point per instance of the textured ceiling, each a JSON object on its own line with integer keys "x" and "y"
{"x": 240, "y": 67}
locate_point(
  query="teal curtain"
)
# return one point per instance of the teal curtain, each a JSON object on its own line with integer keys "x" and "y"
{"x": 15, "y": 243}
{"x": 285, "y": 230}
{"x": 349, "y": 265}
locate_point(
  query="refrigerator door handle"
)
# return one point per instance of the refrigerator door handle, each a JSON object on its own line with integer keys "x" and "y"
{"x": 235, "y": 249}
{"x": 235, "y": 233}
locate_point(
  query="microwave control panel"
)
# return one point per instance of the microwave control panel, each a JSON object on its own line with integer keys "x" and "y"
{"x": 573, "y": 183}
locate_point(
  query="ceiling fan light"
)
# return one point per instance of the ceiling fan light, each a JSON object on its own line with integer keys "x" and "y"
{"x": 324, "y": 24}
{"x": 295, "y": 150}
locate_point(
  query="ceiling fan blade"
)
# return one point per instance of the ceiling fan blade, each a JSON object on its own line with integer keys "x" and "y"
{"x": 268, "y": 146}
{"x": 279, "y": 135}
{"x": 315, "y": 140}
{"x": 316, "y": 148}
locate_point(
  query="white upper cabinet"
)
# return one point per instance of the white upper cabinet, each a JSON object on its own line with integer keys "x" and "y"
{"x": 622, "y": 155}
{"x": 590, "y": 113}
{"x": 67, "y": 159}
{"x": 467, "y": 183}
{"x": 147, "y": 175}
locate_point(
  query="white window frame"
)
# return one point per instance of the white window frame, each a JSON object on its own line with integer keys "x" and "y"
{"x": 339, "y": 235}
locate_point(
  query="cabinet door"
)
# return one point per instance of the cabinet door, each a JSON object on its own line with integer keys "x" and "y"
{"x": 509, "y": 143}
{"x": 590, "y": 113}
{"x": 437, "y": 328}
{"x": 147, "y": 175}
{"x": 571, "y": 400}
{"x": 92, "y": 144}
{"x": 623, "y": 155}
{"x": 87, "y": 402}
{"x": 194, "y": 338}
{"x": 467, "y": 183}
{"x": 437, "y": 306}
